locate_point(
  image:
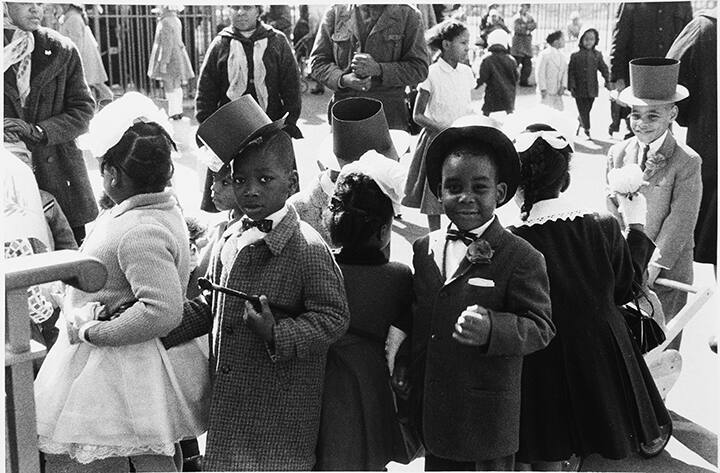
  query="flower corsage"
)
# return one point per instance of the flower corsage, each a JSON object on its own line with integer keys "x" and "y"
{"x": 626, "y": 181}
{"x": 479, "y": 252}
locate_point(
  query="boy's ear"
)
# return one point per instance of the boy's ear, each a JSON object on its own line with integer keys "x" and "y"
{"x": 501, "y": 191}
{"x": 673, "y": 112}
{"x": 293, "y": 182}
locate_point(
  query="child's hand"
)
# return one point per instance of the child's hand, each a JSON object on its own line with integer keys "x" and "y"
{"x": 261, "y": 323}
{"x": 400, "y": 381}
{"x": 473, "y": 326}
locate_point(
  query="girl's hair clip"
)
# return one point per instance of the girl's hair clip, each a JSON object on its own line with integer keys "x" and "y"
{"x": 525, "y": 140}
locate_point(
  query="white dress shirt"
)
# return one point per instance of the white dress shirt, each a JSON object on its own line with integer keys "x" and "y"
{"x": 455, "y": 250}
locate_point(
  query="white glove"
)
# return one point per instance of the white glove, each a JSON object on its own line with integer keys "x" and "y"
{"x": 633, "y": 209}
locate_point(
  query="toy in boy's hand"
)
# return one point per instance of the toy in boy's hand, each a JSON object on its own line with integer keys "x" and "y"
{"x": 261, "y": 322}
{"x": 473, "y": 326}
{"x": 624, "y": 184}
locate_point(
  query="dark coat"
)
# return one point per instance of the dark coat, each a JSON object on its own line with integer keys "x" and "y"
{"x": 499, "y": 72}
{"x": 696, "y": 48}
{"x": 645, "y": 30}
{"x": 265, "y": 409}
{"x": 583, "y": 68}
{"x": 396, "y": 42}
{"x": 471, "y": 395}
{"x": 59, "y": 102}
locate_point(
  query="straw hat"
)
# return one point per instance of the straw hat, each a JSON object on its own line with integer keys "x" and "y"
{"x": 653, "y": 81}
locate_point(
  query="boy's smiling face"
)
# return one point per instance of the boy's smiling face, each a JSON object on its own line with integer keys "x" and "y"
{"x": 469, "y": 189}
{"x": 263, "y": 180}
{"x": 649, "y": 122}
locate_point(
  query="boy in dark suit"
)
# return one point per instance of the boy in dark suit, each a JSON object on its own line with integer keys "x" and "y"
{"x": 267, "y": 363}
{"x": 482, "y": 302}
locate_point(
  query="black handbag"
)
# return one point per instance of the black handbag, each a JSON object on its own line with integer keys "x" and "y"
{"x": 642, "y": 327}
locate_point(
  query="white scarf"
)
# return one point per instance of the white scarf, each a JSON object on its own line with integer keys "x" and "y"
{"x": 19, "y": 50}
{"x": 238, "y": 71}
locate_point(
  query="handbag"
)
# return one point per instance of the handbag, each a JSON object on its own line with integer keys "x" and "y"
{"x": 646, "y": 332}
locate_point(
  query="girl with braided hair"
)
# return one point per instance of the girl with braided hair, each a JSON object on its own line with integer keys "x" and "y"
{"x": 109, "y": 393}
{"x": 359, "y": 428}
{"x": 589, "y": 391}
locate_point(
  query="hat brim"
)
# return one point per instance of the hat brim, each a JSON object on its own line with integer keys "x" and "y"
{"x": 627, "y": 97}
{"x": 508, "y": 164}
{"x": 401, "y": 144}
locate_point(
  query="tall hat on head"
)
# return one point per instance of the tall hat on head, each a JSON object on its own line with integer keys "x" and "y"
{"x": 227, "y": 131}
{"x": 480, "y": 131}
{"x": 653, "y": 81}
{"x": 359, "y": 125}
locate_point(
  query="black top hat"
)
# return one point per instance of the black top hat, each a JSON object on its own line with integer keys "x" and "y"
{"x": 227, "y": 131}
{"x": 506, "y": 158}
{"x": 359, "y": 125}
{"x": 653, "y": 81}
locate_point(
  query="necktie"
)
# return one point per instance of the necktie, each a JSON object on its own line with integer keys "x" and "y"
{"x": 461, "y": 235}
{"x": 644, "y": 157}
{"x": 263, "y": 225}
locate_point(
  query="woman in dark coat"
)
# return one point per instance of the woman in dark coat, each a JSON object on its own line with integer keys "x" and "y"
{"x": 48, "y": 115}
{"x": 273, "y": 82}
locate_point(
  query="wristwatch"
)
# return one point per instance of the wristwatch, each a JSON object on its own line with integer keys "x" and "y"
{"x": 43, "y": 135}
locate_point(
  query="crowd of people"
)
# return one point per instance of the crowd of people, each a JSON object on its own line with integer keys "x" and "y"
{"x": 308, "y": 347}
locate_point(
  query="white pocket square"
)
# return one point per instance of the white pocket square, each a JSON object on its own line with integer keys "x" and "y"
{"x": 480, "y": 282}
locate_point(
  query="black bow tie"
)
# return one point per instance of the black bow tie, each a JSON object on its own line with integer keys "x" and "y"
{"x": 263, "y": 225}
{"x": 461, "y": 235}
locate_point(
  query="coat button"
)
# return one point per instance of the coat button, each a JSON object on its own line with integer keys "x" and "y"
{"x": 51, "y": 159}
{"x": 225, "y": 369}
{"x": 433, "y": 337}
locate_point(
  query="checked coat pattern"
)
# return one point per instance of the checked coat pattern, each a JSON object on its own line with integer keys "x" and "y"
{"x": 265, "y": 410}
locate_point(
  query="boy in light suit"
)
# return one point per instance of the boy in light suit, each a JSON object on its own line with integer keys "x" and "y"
{"x": 672, "y": 172}
{"x": 267, "y": 363}
{"x": 482, "y": 302}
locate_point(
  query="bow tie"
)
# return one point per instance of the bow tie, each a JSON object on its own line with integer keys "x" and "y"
{"x": 263, "y": 225}
{"x": 461, "y": 235}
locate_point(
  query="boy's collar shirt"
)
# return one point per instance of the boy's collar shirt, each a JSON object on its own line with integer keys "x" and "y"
{"x": 253, "y": 234}
{"x": 654, "y": 146}
{"x": 455, "y": 250}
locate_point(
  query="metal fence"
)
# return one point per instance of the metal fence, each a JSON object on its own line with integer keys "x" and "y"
{"x": 125, "y": 32}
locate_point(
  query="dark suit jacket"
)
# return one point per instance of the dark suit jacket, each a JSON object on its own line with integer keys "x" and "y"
{"x": 471, "y": 395}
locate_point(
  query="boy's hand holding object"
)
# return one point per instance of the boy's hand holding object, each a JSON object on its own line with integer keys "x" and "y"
{"x": 624, "y": 185}
{"x": 473, "y": 326}
{"x": 262, "y": 322}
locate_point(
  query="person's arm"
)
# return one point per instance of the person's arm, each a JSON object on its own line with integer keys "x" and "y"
{"x": 684, "y": 208}
{"x": 686, "y": 49}
{"x": 78, "y": 105}
{"x": 322, "y": 61}
{"x": 74, "y": 28}
{"x": 63, "y": 237}
{"x": 208, "y": 84}
{"x": 621, "y": 43}
{"x": 541, "y": 71}
{"x": 197, "y": 321}
{"x": 421, "y": 102}
{"x": 412, "y": 67}
{"x": 289, "y": 82}
{"x": 146, "y": 255}
{"x": 571, "y": 72}
{"x": 326, "y": 316}
{"x": 531, "y": 24}
{"x": 602, "y": 67}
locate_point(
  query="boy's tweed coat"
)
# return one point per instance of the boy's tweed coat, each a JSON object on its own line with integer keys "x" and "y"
{"x": 469, "y": 407}
{"x": 265, "y": 413}
{"x": 673, "y": 201}
{"x": 61, "y": 103}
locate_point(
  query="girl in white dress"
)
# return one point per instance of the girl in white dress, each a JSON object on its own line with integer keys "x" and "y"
{"x": 442, "y": 98}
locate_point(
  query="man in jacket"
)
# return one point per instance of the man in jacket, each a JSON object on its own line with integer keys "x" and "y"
{"x": 372, "y": 51}
{"x": 47, "y": 105}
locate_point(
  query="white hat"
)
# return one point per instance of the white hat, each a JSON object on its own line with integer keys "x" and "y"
{"x": 499, "y": 36}
{"x": 109, "y": 125}
{"x": 389, "y": 175}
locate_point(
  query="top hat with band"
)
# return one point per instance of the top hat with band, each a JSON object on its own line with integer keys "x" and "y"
{"x": 506, "y": 158}
{"x": 653, "y": 81}
{"x": 227, "y": 131}
{"x": 359, "y": 125}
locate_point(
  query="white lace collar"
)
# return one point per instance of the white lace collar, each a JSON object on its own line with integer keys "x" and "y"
{"x": 551, "y": 210}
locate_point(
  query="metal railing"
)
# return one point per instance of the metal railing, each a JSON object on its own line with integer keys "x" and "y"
{"x": 87, "y": 274}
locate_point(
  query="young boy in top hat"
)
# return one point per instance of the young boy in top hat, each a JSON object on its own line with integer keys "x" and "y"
{"x": 672, "y": 172}
{"x": 267, "y": 362}
{"x": 482, "y": 302}
{"x": 358, "y": 125}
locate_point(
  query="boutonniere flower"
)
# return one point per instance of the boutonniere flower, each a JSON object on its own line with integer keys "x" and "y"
{"x": 655, "y": 161}
{"x": 479, "y": 252}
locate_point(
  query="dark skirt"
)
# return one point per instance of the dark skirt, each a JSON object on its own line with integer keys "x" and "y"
{"x": 358, "y": 426}
{"x": 417, "y": 192}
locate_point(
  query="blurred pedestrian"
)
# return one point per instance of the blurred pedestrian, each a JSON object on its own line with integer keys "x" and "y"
{"x": 381, "y": 53}
{"x": 169, "y": 61}
{"x": 552, "y": 71}
{"x": 499, "y": 72}
{"x": 280, "y": 18}
{"x": 582, "y": 76}
{"x": 523, "y": 26}
{"x": 45, "y": 115}
{"x": 574, "y": 26}
{"x": 74, "y": 25}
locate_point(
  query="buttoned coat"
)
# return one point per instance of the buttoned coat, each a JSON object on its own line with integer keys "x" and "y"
{"x": 396, "y": 42}
{"x": 469, "y": 404}
{"x": 673, "y": 201}
{"x": 61, "y": 103}
{"x": 169, "y": 61}
{"x": 265, "y": 409}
